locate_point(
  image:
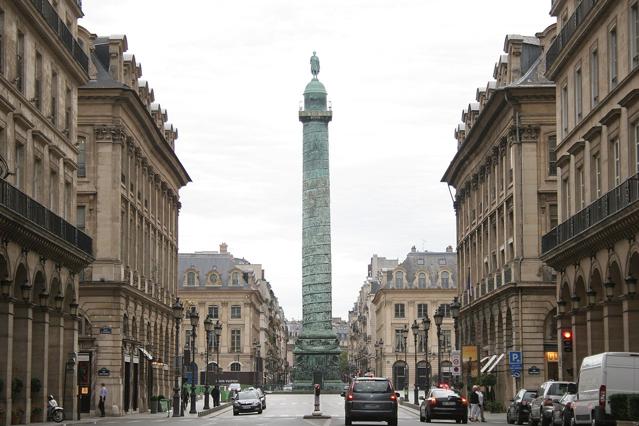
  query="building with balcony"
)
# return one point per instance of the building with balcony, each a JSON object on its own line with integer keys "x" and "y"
{"x": 252, "y": 347}
{"x": 594, "y": 61}
{"x": 42, "y": 251}
{"x": 408, "y": 292}
{"x": 504, "y": 173}
{"x": 129, "y": 178}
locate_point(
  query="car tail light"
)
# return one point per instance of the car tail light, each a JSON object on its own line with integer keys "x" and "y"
{"x": 547, "y": 401}
{"x": 524, "y": 402}
{"x": 350, "y": 397}
{"x": 393, "y": 397}
{"x": 602, "y": 397}
{"x": 432, "y": 401}
{"x": 464, "y": 401}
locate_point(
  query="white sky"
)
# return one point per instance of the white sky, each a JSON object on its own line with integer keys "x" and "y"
{"x": 398, "y": 72}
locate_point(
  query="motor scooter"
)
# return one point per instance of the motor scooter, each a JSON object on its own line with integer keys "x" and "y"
{"x": 54, "y": 411}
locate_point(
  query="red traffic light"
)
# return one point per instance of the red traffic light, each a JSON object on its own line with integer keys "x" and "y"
{"x": 566, "y": 334}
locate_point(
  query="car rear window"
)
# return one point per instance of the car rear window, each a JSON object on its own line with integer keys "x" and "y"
{"x": 372, "y": 386}
{"x": 558, "y": 389}
{"x": 444, "y": 393}
{"x": 529, "y": 396}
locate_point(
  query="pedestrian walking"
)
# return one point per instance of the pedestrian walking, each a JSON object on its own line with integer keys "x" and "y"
{"x": 215, "y": 393}
{"x": 480, "y": 394}
{"x": 103, "y": 396}
{"x": 185, "y": 397}
{"x": 474, "y": 405}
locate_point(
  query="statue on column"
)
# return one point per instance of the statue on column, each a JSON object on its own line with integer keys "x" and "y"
{"x": 315, "y": 66}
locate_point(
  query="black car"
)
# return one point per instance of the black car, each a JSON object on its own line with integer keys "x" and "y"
{"x": 370, "y": 398}
{"x": 519, "y": 408}
{"x": 247, "y": 402}
{"x": 562, "y": 410}
{"x": 443, "y": 404}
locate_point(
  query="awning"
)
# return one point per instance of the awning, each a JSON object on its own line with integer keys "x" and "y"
{"x": 146, "y": 354}
{"x": 484, "y": 359}
{"x": 487, "y": 364}
{"x": 492, "y": 367}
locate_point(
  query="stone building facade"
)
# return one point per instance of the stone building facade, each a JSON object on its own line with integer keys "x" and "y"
{"x": 42, "y": 63}
{"x": 595, "y": 64}
{"x": 399, "y": 294}
{"x": 129, "y": 179}
{"x": 504, "y": 173}
{"x": 252, "y": 347}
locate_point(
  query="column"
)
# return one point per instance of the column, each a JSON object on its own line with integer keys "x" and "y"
{"x": 39, "y": 360}
{"x": 613, "y": 326}
{"x": 70, "y": 370}
{"x": 21, "y": 365}
{"x": 630, "y": 321}
{"x": 595, "y": 329}
{"x": 55, "y": 355}
{"x": 6, "y": 358}
{"x": 579, "y": 338}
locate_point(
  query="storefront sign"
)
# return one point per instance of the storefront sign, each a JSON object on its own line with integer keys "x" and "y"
{"x": 552, "y": 356}
{"x": 104, "y": 372}
{"x": 106, "y": 330}
{"x": 84, "y": 390}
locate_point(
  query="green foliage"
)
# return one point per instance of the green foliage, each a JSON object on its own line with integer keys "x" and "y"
{"x": 36, "y": 385}
{"x": 487, "y": 380}
{"x": 155, "y": 398}
{"x": 16, "y": 387}
{"x": 619, "y": 406}
{"x": 36, "y": 411}
{"x": 494, "y": 407}
{"x": 633, "y": 407}
{"x": 343, "y": 363}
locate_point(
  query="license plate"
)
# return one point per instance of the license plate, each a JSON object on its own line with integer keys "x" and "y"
{"x": 371, "y": 406}
{"x": 448, "y": 403}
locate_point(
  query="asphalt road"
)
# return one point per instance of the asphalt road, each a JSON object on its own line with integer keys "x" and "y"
{"x": 282, "y": 409}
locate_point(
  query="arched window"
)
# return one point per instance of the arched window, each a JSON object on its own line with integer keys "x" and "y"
{"x": 422, "y": 280}
{"x": 236, "y": 366}
{"x": 444, "y": 279}
{"x": 190, "y": 279}
{"x": 399, "y": 279}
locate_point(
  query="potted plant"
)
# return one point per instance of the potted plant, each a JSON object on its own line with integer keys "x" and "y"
{"x": 35, "y": 415}
{"x": 155, "y": 402}
{"x": 36, "y": 385}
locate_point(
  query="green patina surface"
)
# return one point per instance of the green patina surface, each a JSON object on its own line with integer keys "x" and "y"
{"x": 317, "y": 349}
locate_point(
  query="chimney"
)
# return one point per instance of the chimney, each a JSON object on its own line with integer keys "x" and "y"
{"x": 413, "y": 249}
{"x": 224, "y": 248}
{"x": 449, "y": 249}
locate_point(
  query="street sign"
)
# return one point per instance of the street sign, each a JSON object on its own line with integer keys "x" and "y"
{"x": 514, "y": 360}
{"x": 534, "y": 370}
{"x": 455, "y": 359}
{"x": 516, "y": 374}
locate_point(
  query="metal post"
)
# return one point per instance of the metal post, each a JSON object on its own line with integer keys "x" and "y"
{"x": 217, "y": 361}
{"x": 194, "y": 317}
{"x": 206, "y": 371}
{"x": 416, "y": 389}
{"x": 176, "y": 385}
{"x": 439, "y": 354}
{"x": 405, "y": 336}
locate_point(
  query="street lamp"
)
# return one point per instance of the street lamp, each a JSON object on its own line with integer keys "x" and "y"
{"x": 609, "y": 285}
{"x": 58, "y": 300}
{"x": 404, "y": 338}
{"x": 194, "y": 317}
{"x": 218, "y": 333}
{"x": 454, "y": 312}
{"x": 208, "y": 327}
{"x": 439, "y": 317}
{"x": 426, "y": 326}
{"x": 178, "y": 313}
{"x": 415, "y": 329}
{"x": 380, "y": 345}
{"x": 631, "y": 282}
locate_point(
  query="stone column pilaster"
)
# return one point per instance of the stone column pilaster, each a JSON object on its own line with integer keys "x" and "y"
{"x": 39, "y": 359}
{"x": 22, "y": 338}
{"x": 6, "y": 359}
{"x": 595, "y": 329}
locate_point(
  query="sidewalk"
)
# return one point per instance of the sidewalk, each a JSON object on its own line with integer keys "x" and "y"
{"x": 136, "y": 416}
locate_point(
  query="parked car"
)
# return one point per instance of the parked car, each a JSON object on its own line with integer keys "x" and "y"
{"x": 600, "y": 377}
{"x": 370, "y": 398}
{"x": 235, "y": 387}
{"x": 247, "y": 402}
{"x": 519, "y": 408}
{"x": 548, "y": 393}
{"x": 562, "y": 410}
{"x": 443, "y": 404}
{"x": 288, "y": 387}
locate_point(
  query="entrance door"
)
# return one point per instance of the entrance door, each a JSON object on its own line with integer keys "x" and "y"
{"x": 422, "y": 375}
{"x": 552, "y": 370}
{"x": 399, "y": 375}
{"x": 127, "y": 386}
{"x": 135, "y": 385}
{"x": 84, "y": 381}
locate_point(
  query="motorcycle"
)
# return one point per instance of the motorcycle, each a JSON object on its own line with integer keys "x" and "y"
{"x": 54, "y": 411}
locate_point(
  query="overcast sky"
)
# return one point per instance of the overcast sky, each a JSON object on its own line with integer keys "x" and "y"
{"x": 398, "y": 72}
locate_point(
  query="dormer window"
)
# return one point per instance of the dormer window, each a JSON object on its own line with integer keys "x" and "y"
{"x": 235, "y": 278}
{"x": 399, "y": 279}
{"x": 190, "y": 279}
{"x": 213, "y": 277}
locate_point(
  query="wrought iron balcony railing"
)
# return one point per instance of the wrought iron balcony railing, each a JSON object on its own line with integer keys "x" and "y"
{"x": 64, "y": 34}
{"x": 568, "y": 30}
{"x": 18, "y": 202}
{"x": 620, "y": 197}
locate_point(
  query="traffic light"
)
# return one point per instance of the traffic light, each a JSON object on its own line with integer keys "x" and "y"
{"x": 566, "y": 339}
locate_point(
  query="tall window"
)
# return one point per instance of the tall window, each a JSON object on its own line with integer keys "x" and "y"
{"x": 446, "y": 340}
{"x": 236, "y": 336}
{"x": 236, "y": 311}
{"x": 1, "y": 41}
{"x": 214, "y": 311}
{"x": 553, "y": 215}
{"x": 236, "y": 366}
{"x": 552, "y": 155}
{"x": 81, "y": 218}
{"x": 564, "y": 110}
{"x": 235, "y": 278}
{"x": 422, "y": 276}
{"x": 399, "y": 279}
{"x": 190, "y": 279}
{"x": 54, "y": 98}
{"x": 617, "y": 162}
{"x": 636, "y": 133}
{"x": 565, "y": 190}
{"x": 399, "y": 340}
{"x": 594, "y": 78}
{"x": 422, "y": 310}
{"x": 38, "y": 81}
{"x": 67, "y": 111}
{"x": 612, "y": 57}
{"x": 400, "y": 310}
{"x": 581, "y": 188}
{"x": 38, "y": 179}
{"x": 596, "y": 165}
{"x": 634, "y": 35}
{"x": 444, "y": 279}
{"x": 68, "y": 197}
{"x": 578, "y": 97}
{"x": 20, "y": 166}
{"x": 82, "y": 158}
{"x": 19, "y": 81}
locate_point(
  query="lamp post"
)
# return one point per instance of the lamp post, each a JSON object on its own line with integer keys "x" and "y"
{"x": 426, "y": 326}
{"x": 256, "y": 348}
{"x": 439, "y": 317}
{"x": 194, "y": 317}
{"x": 404, "y": 338}
{"x": 454, "y": 312}
{"x": 178, "y": 312}
{"x": 218, "y": 333}
{"x": 415, "y": 329}
{"x": 208, "y": 327}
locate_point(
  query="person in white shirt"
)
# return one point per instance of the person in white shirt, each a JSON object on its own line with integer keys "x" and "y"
{"x": 481, "y": 404}
{"x": 103, "y": 395}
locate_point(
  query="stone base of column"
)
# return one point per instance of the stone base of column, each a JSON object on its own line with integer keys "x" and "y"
{"x": 317, "y": 362}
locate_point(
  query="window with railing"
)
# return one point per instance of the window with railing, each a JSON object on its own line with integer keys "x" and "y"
{"x": 596, "y": 163}
{"x": 578, "y": 97}
{"x": 564, "y": 110}
{"x": 19, "y": 81}
{"x": 53, "y": 109}
{"x": 400, "y": 310}
{"x": 399, "y": 279}
{"x": 400, "y": 343}
{"x": 19, "y": 168}
{"x": 581, "y": 188}
{"x": 37, "y": 82}
{"x": 616, "y": 155}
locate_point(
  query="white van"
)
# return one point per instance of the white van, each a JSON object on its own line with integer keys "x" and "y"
{"x": 600, "y": 377}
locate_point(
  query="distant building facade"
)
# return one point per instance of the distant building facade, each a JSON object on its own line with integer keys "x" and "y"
{"x": 129, "y": 178}
{"x": 253, "y": 344}
{"x": 595, "y": 63}
{"x": 42, "y": 63}
{"x": 504, "y": 173}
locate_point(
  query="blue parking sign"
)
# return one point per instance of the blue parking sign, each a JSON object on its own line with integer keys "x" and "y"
{"x": 515, "y": 360}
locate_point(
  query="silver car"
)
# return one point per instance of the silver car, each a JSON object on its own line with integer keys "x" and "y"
{"x": 548, "y": 394}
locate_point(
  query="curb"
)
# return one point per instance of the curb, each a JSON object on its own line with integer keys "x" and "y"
{"x": 213, "y": 410}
